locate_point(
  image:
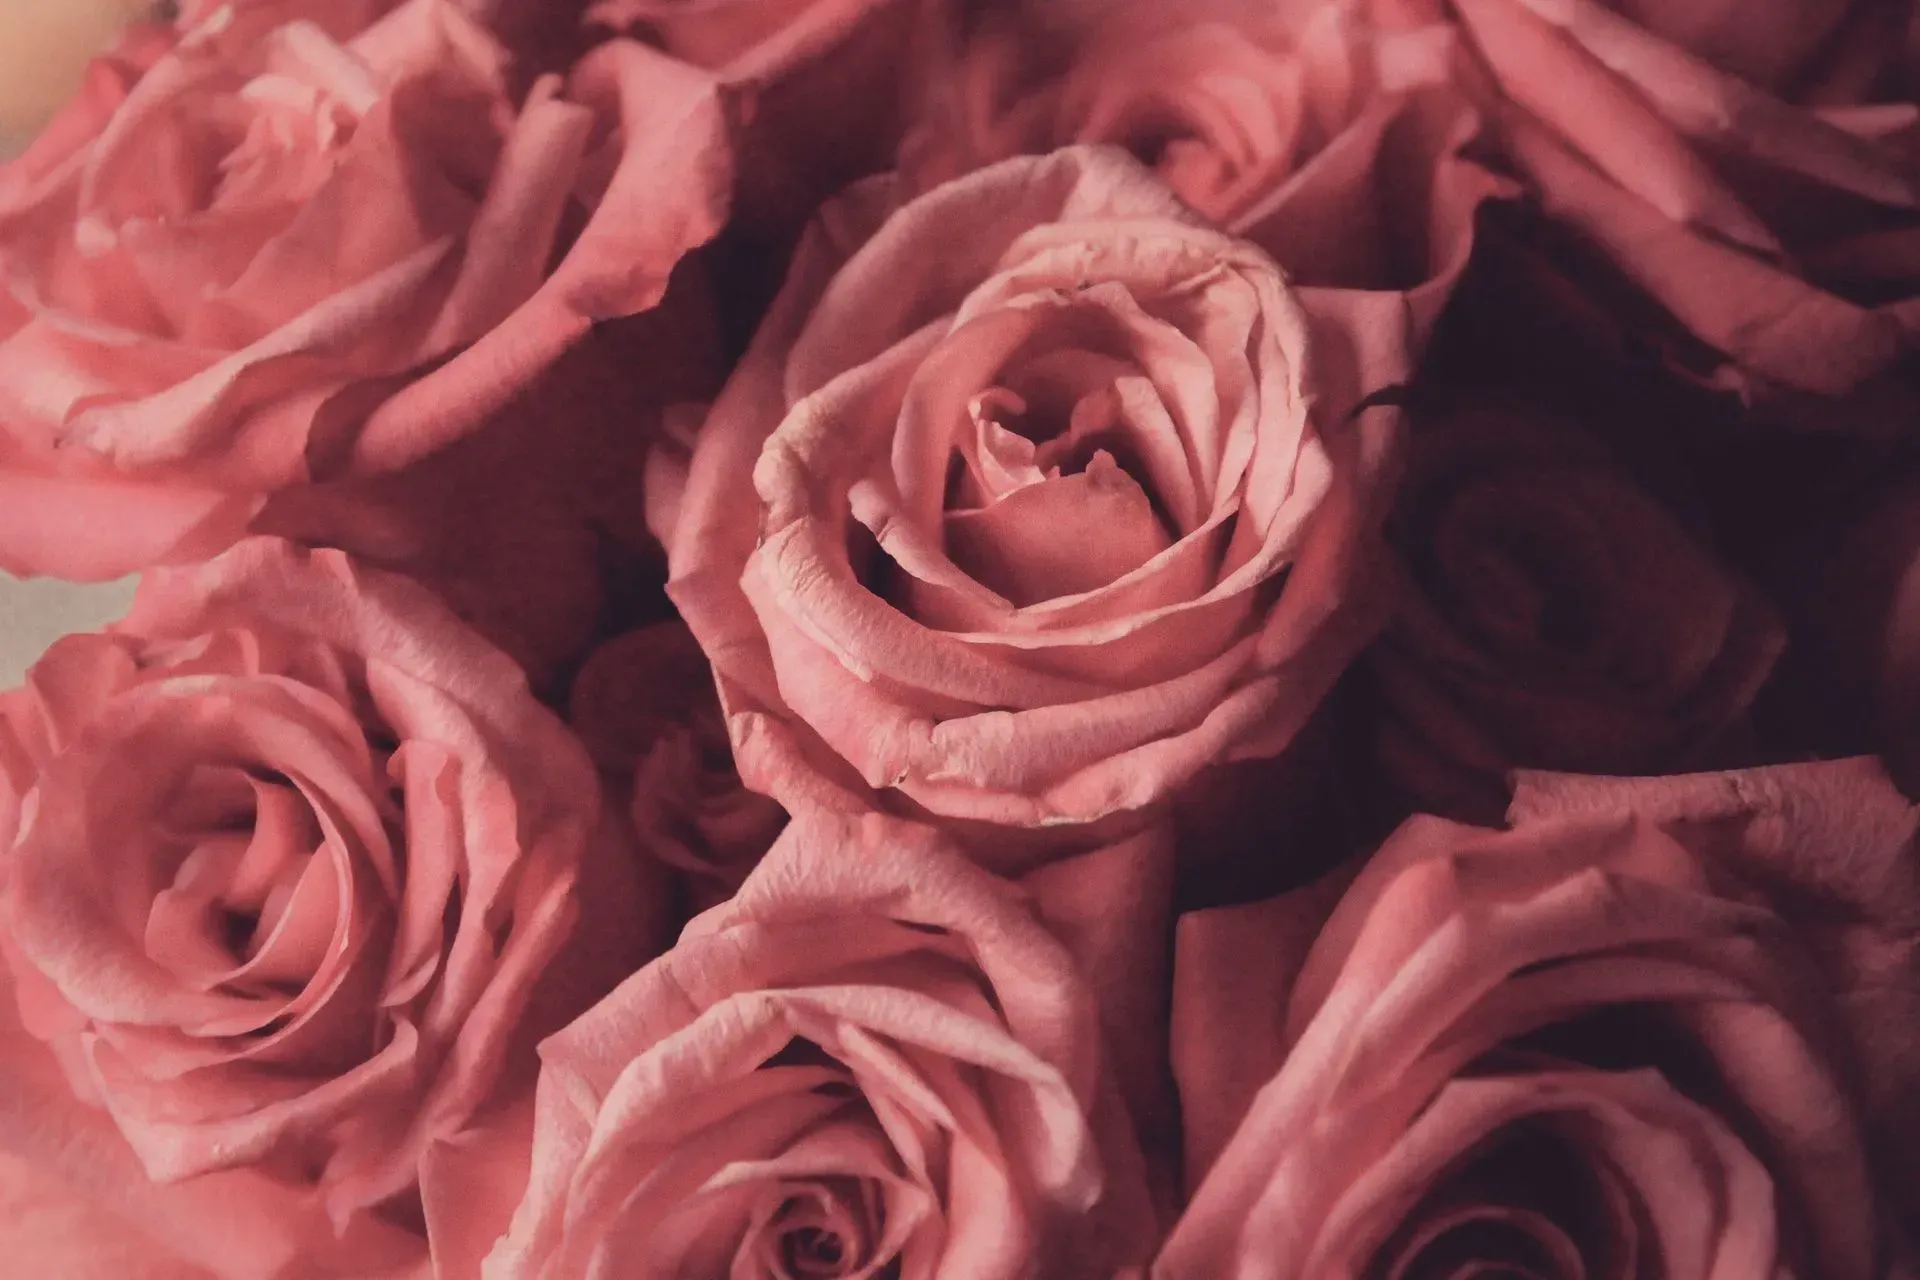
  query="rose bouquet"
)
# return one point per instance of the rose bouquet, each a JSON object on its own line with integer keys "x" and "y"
{"x": 958, "y": 639}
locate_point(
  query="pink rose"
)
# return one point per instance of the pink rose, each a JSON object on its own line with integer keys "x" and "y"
{"x": 1782, "y": 236}
{"x": 1021, "y": 510}
{"x": 1553, "y": 614}
{"x": 645, "y": 705}
{"x": 875, "y": 1060}
{"x": 271, "y": 251}
{"x": 1337, "y": 145}
{"x": 1662, "y": 1027}
{"x": 294, "y": 850}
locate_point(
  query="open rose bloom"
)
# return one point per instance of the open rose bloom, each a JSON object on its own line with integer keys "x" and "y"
{"x": 874, "y": 1060}
{"x": 1020, "y": 510}
{"x": 295, "y": 238}
{"x": 286, "y": 855}
{"x": 1617, "y": 1040}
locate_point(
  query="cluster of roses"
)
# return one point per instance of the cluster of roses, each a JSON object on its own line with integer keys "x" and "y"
{"x": 957, "y": 641}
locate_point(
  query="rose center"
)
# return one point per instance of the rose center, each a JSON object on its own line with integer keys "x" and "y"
{"x": 813, "y": 1251}
{"x": 250, "y": 908}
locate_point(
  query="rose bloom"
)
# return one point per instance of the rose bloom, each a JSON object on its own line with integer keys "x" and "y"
{"x": 645, "y": 705}
{"x": 1662, "y": 1027}
{"x": 874, "y": 1060}
{"x": 1020, "y": 509}
{"x": 1337, "y": 145}
{"x": 286, "y": 855}
{"x": 1553, "y": 614}
{"x": 1736, "y": 163}
{"x": 292, "y": 241}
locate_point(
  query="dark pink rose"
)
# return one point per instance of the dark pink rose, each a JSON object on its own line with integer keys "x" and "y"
{"x": 1227, "y": 103}
{"x": 292, "y": 851}
{"x": 1850, "y": 586}
{"x": 1784, "y": 236}
{"x": 1661, "y": 1027}
{"x": 1022, "y": 509}
{"x": 1553, "y": 614}
{"x": 876, "y": 1059}
{"x": 274, "y": 250}
{"x": 644, "y": 703}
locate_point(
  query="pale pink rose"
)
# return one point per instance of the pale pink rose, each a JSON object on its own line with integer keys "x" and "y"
{"x": 1553, "y": 614}
{"x": 1661, "y": 1027}
{"x": 272, "y": 251}
{"x": 645, "y": 705}
{"x": 875, "y": 1060}
{"x": 1786, "y": 237}
{"x": 236, "y": 1224}
{"x": 294, "y": 850}
{"x": 1022, "y": 509}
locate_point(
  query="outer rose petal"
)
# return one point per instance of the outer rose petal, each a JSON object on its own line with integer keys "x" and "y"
{"x": 666, "y": 133}
{"x": 824, "y": 79}
{"x": 238, "y": 1224}
{"x": 1859, "y": 912}
{"x": 525, "y": 525}
{"x": 1798, "y": 50}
